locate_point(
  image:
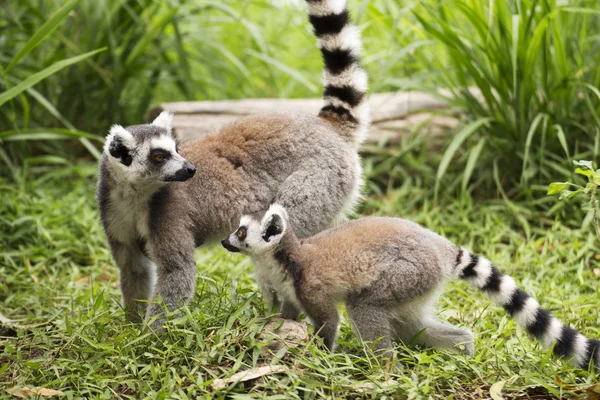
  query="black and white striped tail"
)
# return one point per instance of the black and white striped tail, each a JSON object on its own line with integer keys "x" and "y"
{"x": 527, "y": 312}
{"x": 345, "y": 82}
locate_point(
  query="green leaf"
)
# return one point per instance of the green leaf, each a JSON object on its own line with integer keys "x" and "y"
{"x": 567, "y": 194}
{"x": 560, "y": 134}
{"x": 294, "y": 74}
{"x": 532, "y": 129}
{"x": 455, "y": 144}
{"x": 556, "y": 187}
{"x": 45, "y": 134}
{"x": 43, "y": 74}
{"x": 584, "y": 164}
{"x": 471, "y": 162}
{"x": 593, "y": 89}
{"x": 534, "y": 44}
{"x": 579, "y": 10}
{"x": 45, "y": 30}
{"x": 585, "y": 172}
{"x": 155, "y": 30}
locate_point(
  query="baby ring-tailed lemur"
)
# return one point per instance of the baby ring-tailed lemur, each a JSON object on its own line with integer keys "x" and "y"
{"x": 159, "y": 202}
{"x": 389, "y": 273}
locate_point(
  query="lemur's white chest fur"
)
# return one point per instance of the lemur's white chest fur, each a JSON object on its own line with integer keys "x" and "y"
{"x": 129, "y": 217}
{"x": 270, "y": 274}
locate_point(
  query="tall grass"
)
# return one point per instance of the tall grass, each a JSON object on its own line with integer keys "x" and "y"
{"x": 114, "y": 42}
{"x": 533, "y": 65}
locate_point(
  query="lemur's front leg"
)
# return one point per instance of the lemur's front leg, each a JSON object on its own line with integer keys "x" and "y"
{"x": 137, "y": 276}
{"x": 176, "y": 270}
{"x": 289, "y": 310}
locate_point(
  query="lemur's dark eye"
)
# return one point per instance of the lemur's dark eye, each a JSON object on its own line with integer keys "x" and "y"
{"x": 159, "y": 157}
{"x": 241, "y": 233}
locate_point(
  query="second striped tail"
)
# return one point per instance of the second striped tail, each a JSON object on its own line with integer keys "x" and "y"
{"x": 526, "y": 311}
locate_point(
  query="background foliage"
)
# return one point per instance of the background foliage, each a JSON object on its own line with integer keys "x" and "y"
{"x": 523, "y": 71}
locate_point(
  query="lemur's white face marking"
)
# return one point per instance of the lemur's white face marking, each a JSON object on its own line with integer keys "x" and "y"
{"x": 147, "y": 153}
{"x": 257, "y": 237}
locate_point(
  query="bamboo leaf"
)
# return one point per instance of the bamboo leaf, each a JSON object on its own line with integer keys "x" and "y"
{"x": 43, "y": 74}
{"x": 44, "y": 31}
{"x": 46, "y": 134}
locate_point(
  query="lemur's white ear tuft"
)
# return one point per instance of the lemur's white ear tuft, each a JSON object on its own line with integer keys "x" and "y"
{"x": 277, "y": 209}
{"x": 121, "y": 134}
{"x": 274, "y": 222}
{"x": 164, "y": 120}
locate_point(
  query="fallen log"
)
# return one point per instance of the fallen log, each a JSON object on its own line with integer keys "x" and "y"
{"x": 394, "y": 115}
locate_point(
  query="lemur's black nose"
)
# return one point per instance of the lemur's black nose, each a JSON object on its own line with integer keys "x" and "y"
{"x": 229, "y": 246}
{"x": 191, "y": 170}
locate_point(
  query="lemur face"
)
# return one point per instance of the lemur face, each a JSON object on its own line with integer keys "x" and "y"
{"x": 254, "y": 236}
{"x": 145, "y": 153}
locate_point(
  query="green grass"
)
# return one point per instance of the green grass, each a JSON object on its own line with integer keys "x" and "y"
{"x": 58, "y": 282}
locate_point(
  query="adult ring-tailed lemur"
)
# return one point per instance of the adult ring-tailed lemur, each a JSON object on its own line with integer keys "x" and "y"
{"x": 158, "y": 202}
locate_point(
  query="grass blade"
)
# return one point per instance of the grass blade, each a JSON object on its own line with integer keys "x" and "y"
{"x": 42, "y": 33}
{"x": 530, "y": 133}
{"x": 294, "y": 74}
{"x": 46, "y": 134}
{"x": 460, "y": 137}
{"x": 43, "y": 74}
{"x": 471, "y": 162}
{"x": 155, "y": 30}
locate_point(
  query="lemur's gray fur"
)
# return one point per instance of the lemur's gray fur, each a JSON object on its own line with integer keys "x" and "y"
{"x": 156, "y": 211}
{"x": 389, "y": 273}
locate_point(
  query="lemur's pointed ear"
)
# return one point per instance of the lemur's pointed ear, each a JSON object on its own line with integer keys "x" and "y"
{"x": 119, "y": 143}
{"x": 164, "y": 120}
{"x": 273, "y": 226}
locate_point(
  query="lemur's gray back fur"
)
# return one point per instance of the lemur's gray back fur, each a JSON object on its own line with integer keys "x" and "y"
{"x": 308, "y": 163}
{"x": 389, "y": 272}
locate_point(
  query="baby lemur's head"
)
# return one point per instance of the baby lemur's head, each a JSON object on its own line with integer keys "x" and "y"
{"x": 256, "y": 236}
{"x": 147, "y": 153}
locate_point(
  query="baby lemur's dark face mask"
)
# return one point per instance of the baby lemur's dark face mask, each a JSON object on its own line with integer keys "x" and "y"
{"x": 254, "y": 237}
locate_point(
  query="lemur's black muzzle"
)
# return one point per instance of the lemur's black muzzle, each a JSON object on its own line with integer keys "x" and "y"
{"x": 185, "y": 173}
{"x": 227, "y": 244}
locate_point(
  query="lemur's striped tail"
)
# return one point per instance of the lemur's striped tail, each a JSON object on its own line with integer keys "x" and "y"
{"x": 527, "y": 312}
{"x": 345, "y": 82}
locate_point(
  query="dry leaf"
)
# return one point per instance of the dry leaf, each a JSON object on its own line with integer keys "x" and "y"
{"x": 597, "y": 271}
{"x": 23, "y": 392}
{"x": 496, "y": 390}
{"x": 5, "y": 321}
{"x": 593, "y": 392}
{"x": 369, "y": 386}
{"x": 87, "y": 280}
{"x": 279, "y": 333}
{"x": 248, "y": 375}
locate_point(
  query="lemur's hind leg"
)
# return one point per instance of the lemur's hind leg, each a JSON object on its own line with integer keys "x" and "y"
{"x": 176, "y": 283}
{"x": 434, "y": 333}
{"x": 312, "y": 205}
{"x": 137, "y": 276}
{"x": 372, "y": 323}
